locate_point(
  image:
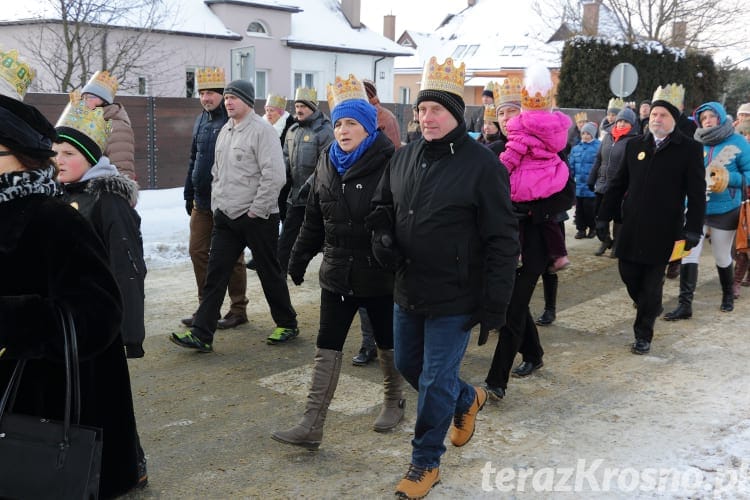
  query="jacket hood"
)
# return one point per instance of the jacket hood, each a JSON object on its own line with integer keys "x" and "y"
{"x": 104, "y": 178}
{"x": 713, "y": 106}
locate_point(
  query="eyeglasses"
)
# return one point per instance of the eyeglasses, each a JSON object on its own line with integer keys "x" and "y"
{"x": 7, "y": 153}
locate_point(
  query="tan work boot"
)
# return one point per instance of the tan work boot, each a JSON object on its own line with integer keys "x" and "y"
{"x": 308, "y": 433}
{"x": 463, "y": 424}
{"x": 393, "y": 396}
{"x": 417, "y": 482}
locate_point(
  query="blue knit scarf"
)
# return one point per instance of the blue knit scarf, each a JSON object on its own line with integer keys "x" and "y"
{"x": 343, "y": 160}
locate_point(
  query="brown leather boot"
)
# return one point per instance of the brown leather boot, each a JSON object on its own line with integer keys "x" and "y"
{"x": 393, "y": 396}
{"x": 308, "y": 433}
{"x": 417, "y": 482}
{"x": 463, "y": 424}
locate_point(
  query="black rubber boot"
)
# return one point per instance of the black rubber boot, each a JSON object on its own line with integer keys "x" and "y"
{"x": 549, "y": 282}
{"x": 726, "y": 278}
{"x": 688, "y": 280}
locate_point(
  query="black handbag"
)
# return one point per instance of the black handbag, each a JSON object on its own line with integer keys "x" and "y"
{"x": 41, "y": 458}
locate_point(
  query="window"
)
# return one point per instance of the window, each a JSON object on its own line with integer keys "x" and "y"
{"x": 256, "y": 28}
{"x": 404, "y": 95}
{"x": 190, "y": 83}
{"x": 304, "y": 80}
{"x": 472, "y": 50}
{"x": 459, "y": 52}
{"x": 141, "y": 85}
{"x": 261, "y": 83}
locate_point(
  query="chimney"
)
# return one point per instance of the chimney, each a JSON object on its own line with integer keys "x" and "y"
{"x": 590, "y": 18}
{"x": 389, "y": 27}
{"x": 679, "y": 34}
{"x": 351, "y": 10}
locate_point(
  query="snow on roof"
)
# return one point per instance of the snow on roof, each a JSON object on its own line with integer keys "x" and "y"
{"x": 315, "y": 23}
{"x": 322, "y": 24}
{"x": 474, "y": 36}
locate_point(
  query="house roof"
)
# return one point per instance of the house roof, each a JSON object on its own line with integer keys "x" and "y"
{"x": 476, "y": 37}
{"x": 316, "y": 24}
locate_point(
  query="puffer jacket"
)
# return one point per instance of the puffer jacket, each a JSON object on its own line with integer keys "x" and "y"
{"x": 334, "y": 221}
{"x": 531, "y": 154}
{"x": 205, "y": 131}
{"x": 120, "y": 148}
{"x": 608, "y": 161}
{"x": 581, "y": 159}
{"x": 305, "y": 142}
{"x": 453, "y": 224}
{"x": 105, "y": 199}
{"x": 733, "y": 153}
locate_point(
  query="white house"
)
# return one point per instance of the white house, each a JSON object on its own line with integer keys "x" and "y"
{"x": 279, "y": 45}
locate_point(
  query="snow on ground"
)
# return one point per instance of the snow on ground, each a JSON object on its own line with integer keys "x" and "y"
{"x": 165, "y": 227}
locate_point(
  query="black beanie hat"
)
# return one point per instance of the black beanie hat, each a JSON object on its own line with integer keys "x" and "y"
{"x": 669, "y": 106}
{"x": 452, "y": 102}
{"x": 81, "y": 142}
{"x": 242, "y": 89}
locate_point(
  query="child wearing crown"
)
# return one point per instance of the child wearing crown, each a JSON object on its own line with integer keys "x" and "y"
{"x": 537, "y": 172}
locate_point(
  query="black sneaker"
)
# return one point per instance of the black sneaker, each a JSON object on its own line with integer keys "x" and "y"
{"x": 190, "y": 341}
{"x": 640, "y": 346}
{"x": 496, "y": 393}
{"x": 364, "y": 356}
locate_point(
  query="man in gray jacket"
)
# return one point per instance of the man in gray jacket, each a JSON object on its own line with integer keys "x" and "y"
{"x": 248, "y": 174}
{"x": 305, "y": 141}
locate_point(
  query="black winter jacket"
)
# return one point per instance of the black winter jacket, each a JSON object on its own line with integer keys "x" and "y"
{"x": 454, "y": 225}
{"x": 205, "y": 131}
{"x": 334, "y": 220}
{"x": 303, "y": 145}
{"x": 649, "y": 191}
{"x": 106, "y": 202}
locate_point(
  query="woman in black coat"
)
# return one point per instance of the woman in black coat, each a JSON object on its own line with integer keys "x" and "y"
{"x": 50, "y": 257}
{"x": 344, "y": 183}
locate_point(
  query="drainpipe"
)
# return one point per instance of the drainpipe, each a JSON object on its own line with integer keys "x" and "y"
{"x": 375, "y": 70}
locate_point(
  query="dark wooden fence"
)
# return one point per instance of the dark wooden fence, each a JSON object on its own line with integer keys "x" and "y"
{"x": 163, "y": 131}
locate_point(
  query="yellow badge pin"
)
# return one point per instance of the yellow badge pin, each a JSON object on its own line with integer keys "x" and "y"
{"x": 641, "y": 155}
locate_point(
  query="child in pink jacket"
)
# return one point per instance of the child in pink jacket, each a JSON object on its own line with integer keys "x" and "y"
{"x": 535, "y": 139}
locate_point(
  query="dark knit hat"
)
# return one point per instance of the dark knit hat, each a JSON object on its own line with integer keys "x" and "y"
{"x": 487, "y": 93}
{"x": 589, "y": 128}
{"x": 25, "y": 130}
{"x": 669, "y": 107}
{"x": 307, "y": 103}
{"x": 242, "y": 89}
{"x": 452, "y": 102}
{"x": 626, "y": 114}
{"x": 358, "y": 109}
{"x": 83, "y": 143}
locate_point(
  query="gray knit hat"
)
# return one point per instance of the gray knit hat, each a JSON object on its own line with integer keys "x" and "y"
{"x": 626, "y": 114}
{"x": 242, "y": 89}
{"x": 589, "y": 128}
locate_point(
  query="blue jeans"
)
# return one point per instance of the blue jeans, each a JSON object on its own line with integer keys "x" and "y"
{"x": 428, "y": 353}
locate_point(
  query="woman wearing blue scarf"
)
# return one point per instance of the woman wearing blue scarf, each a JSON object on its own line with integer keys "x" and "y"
{"x": 343, "y": 185}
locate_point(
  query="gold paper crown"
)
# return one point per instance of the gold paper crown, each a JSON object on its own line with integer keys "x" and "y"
{"x": 89, "y": 122}
{"x": 582, "y": 116}
{"x": 276, "y": 101}
{"x": 15, "y": 75}
{"x": 490, "y": 86}
{"x": 445, "y": 77}
{"x": 674, "y": 94}
{"x": 305, "y": 94}
{"x": 490, "y": 115}
{"x": 210, "y": 78}
{"x": 104, "y": 79}
{"x": 344, "y": 90}
{"x": 508, "y": 92}
{"x": 616, "y": 103}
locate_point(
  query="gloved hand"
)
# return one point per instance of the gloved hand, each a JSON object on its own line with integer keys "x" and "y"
{"x": 297, "y": 267}
{"x": 379, "y": 220}
{"x": 189, "y": 207}
{"x": 385, "y": 251}
{"x": 691, "y": 240}
{"x": 521, "y": 210}
{"x": 602, "y": 230}
{"x": 487, "y": 321}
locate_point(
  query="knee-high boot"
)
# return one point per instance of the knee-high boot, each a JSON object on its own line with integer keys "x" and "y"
{"x": 726, "y": 277}
{"x": 393, "y": 395}
{"x": 549, "y": 283}
{"x": 740, "y": 268}
{"x": 688, "y": 280}
{"x": 308, "y": 433}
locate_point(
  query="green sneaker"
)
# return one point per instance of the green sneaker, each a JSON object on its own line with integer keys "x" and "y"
{"x": 281, "y": 334}
{"x": 190, "y": 341}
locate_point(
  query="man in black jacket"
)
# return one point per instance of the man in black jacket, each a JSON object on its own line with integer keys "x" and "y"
{"x": 443, "y": 217}
{"x": 659, "y": 171}
{"x": 198, "y": 195}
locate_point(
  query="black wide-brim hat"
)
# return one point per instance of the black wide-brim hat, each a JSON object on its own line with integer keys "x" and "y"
{"x": 24, "y": 129}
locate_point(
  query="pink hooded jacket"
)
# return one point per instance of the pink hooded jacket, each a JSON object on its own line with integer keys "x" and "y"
{"x": 534, "y": 139}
